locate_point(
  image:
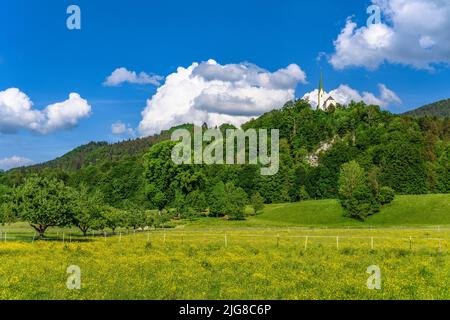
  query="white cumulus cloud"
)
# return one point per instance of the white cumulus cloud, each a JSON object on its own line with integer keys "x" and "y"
{"x": 119, "y": 128}
{"x": 216, "y": 94}
{"x": 413, "y": 33}
{"x": 14, "y": 162}
{"x": 345, "y": 94}
{"x": 17, "y": 113}
{"x": 122, "y": 75}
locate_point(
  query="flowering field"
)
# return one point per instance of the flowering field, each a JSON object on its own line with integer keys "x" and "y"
{"x": 234, "y": 264}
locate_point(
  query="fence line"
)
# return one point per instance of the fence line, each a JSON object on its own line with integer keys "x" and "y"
{"x": 4, "y": 236}
{"x": 184, "y": 236}
{"x": 218, "y": 235}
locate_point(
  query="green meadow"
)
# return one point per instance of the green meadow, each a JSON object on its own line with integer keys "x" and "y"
{"x": 304, "y": 250}
{"x": 404, "y": 211}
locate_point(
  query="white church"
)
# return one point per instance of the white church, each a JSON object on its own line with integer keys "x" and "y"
{"x": 324, "y": 100}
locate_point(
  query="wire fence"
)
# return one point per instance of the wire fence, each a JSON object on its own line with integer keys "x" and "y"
{"x": 267, "y": 238}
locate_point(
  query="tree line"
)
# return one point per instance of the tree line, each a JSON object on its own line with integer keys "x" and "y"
{"x": 381, "y": 153}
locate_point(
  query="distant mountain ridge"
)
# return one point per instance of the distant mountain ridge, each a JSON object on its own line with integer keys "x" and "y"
{"x": 439, "y": 109}
{"x": 95, "y": 152}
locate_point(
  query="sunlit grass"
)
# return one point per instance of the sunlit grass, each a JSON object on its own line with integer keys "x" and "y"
{"x": 305, "y": 250}
{"x": 240, "y": 264}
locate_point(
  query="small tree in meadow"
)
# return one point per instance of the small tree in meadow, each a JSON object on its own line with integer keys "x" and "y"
{"x": 8, "y": 214}
{"x": 86, "y": 209}
{"x": 196, "y": 200}
{"x": 236, "y": 199}
{"x": 355, "y": 194}
{"x": 113, "y": 218}
{"x": 218, "y": 200}
{"x": 44, "y": 203}
{"x": 386, "y": 195}
{"x": 135, "y": 216}
{"x": 257, "y": 202}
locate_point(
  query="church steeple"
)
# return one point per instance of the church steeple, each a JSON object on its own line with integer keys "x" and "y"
{"x": 321, "y": 81}
{"x": 321, "y": 92}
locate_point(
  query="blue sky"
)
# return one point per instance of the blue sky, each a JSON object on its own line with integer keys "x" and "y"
{"x": 47, "y": 62}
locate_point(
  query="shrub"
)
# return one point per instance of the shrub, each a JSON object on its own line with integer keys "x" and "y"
{"x": 197, "y": 200}
{"x": 236, "y": 199}
{"x": 303, "y": 194}
{"x": 257, "y": 202}
{"x": 386, "y": 195}
{"x": 355, "y": 194}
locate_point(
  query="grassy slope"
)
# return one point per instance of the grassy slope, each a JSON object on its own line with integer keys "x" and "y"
{"x": 405, "y": 211}
{"x": 422, "y": 210}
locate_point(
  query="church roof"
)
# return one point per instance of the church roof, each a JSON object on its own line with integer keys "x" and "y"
{"x": 321, "y": 82}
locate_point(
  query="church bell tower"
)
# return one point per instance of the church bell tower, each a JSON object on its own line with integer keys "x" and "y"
{"x": 321, "y": 95}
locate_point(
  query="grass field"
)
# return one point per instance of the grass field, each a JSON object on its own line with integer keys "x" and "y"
{"x": 275, "y": 255}
{"x": 256, "y": 265}
{"x": 405, "y": 211}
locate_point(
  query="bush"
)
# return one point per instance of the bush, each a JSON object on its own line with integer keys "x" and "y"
{"x": 236, "y": 199}
{"x": 197, "y": 200}
{"x": 386, "y": 195}
{"x": 355, "y": 194}
{"x": 257, "y": 202}
{"x": 303, "y": 194}
{"x": 217, "y": 200}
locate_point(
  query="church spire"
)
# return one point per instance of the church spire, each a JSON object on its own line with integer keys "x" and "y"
{"x": 321, "y": 91}
{"x": 321, "y": 81}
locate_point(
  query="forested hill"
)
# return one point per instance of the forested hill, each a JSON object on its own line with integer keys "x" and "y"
{"x": 98, "y": 152}
{"x": 439, "y": 109}
{"x": 408, "y": 154}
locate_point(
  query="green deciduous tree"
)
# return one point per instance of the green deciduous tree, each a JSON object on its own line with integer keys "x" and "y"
{"x": 236, "y": 199}
{"x": 44, "y": 203}
{"x": 355, "y": 194}
{"x": 257, "y": 202}
{"x": 197, "y": 200}
{"x": 113, "y": 218}
{"x": 86, "y": 207}
{"x": 218, "y": 200}
{"x": 386, "y": 195}
{"x": 136, "y": 217}
{"x": 159, "y": 174}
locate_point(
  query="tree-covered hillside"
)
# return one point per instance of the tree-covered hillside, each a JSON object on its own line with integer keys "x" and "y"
{"x": 97, "y": 152}
{"x": 437, "y": 109}
{"x": 409, "y": 155}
